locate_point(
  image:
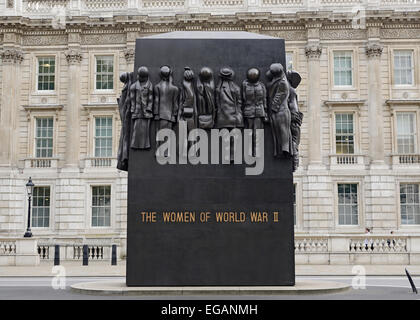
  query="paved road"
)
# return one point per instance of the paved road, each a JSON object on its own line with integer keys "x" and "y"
{"x": 377, "y": 287}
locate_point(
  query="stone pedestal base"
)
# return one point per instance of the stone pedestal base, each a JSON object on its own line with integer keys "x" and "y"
{"x": 120, "y": 288}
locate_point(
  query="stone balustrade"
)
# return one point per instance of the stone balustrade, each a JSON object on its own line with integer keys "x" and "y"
{"x": 406, "y": 159}
{"x": 134, "y": 7}
{"x": 19, "y": 252}
{"x": 352, "y": 161}
{"x": 98, "y": 251}
{"x": 309, "y": 249}
{"x": 41, "y": 162}
{"x": 100, "y": 162}
{"x": 358, "y": 249}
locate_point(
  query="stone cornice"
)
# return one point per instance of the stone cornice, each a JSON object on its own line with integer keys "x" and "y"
{"x": 320, "y": 19}
{"x": 11, "y": 56}
{"x": 100, "y": 106}
{"x": 43, "y": 107}
{"x": 332, "y": 26}
{"x": 401, "y": 102}
{"x": 336, "y": 103}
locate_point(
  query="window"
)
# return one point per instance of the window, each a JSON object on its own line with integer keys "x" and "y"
{"x": 46, "y": 74}
{"x": 347, "y": 204}
{"x": 41, "y": 207}
{"x": 406, "y": 132}
{"x": 343, "y": 68}
{"x": 409, "y": 202}
{"x": 403, "y": 67}
{"x": 44, "y": 138}
{"x": 344, "y": 133}
{"x": 103, "y": 137}
{"x": 101, "y": 206}
{"x": 289, "y": 61}
{"x": 104, "y": 73}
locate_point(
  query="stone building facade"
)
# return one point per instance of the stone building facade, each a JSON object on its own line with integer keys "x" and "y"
{"x": 360, "y": 95}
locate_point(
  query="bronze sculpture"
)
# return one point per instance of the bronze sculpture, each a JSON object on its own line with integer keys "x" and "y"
{"x": 125, "y": 115}
{"x": 228, "y": 101}
{"x": 280, "y": 117}
{"x": 141, "y": 99}
{"x": 254, "y": 97}
{"x": 166, "y": 96}
{"x": 205, "y": 98}
{"x": 296, "y": 116}
{"x": 188, "y": 107}
{"x": 202, "y": 105}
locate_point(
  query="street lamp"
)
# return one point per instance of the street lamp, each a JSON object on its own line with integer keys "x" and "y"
{"x": 29, "y": 189}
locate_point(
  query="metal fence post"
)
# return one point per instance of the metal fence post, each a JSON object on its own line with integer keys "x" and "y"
{"x": 57, "y": 255}
{"x": 114, "y": 255}
{"x": 85, "y": 255}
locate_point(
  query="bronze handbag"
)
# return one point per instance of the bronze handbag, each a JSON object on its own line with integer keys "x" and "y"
{"x": 188, "y": 112}
{"x": 205, "y": 121}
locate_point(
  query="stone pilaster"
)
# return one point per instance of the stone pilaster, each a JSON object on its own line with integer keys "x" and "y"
{"x": 10, "y": 102}
{"x": 313, "y": 52}
{"x": 375, "y": 114}
{"x": 74, "y": 58}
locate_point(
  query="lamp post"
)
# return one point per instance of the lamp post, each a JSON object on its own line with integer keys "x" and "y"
{"x": 29, "y": 189}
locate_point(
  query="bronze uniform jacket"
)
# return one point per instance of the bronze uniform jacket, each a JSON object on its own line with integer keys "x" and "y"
{"x": 254, "y": 99}
{"x": 229, "y": 105}
{"x": 166, "y": 101}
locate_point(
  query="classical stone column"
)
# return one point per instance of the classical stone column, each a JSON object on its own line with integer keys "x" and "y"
{"x": 313, "y": 53}
{"x": 9, "y": 108}
{"x": 74, "y": 58}
{"x": 376, "y": 139}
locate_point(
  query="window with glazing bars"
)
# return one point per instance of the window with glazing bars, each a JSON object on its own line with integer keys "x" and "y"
{"x": 347, "y": 204}
{"x": 103, "y": 136}
{"x": 44, "y": 137}
{"x": 46, "y": 73}
{"x": 41, "y": 207}
{"x": 403, "y": 67}
{"x": 409, "y": 203}
{"x": 343, "y": 68}
{"x": 406, "y": 132}
{"x": 344, "y": 133}
{"x": 104, "y": 76}
{"x": 101, "y": 206}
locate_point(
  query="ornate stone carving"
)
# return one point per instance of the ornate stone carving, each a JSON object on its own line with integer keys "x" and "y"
{"x": 313, "y": 51}
{"x": 287, "y": 34}
{"x": 129, "y": 55}
{"x": 73, "y": 56}
{"x": 343, "y": 34}
{"x": 11, "y": 56}
{"x": 105, "y": 38}
{"x": 36, "y": 40}
{"x": 374, "y": 50}
{"x": 400, "y": 33}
